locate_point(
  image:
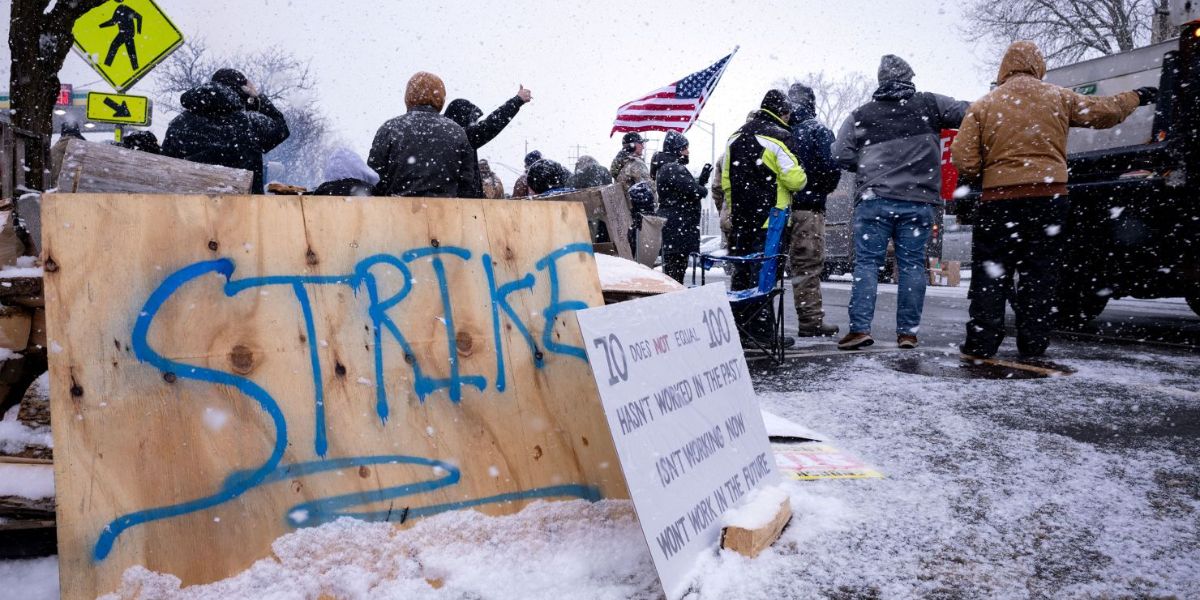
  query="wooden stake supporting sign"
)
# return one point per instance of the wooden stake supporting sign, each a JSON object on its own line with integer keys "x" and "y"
{"x": 227, "y": 369}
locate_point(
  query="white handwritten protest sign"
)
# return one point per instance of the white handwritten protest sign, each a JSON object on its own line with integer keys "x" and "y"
{"x": 684, "y": 418}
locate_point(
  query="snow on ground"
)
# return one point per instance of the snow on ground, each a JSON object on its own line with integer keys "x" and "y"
{"x": 559, "y": 550}
{"x": 994, "y": 489}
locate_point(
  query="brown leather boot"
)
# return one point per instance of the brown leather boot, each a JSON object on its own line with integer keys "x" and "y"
{"x": 855, "y": 341}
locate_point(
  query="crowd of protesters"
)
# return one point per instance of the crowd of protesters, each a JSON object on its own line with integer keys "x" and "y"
{"x": 777, "y": 168}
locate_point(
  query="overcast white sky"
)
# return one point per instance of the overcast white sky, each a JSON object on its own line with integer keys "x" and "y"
{"x": 581, "y": 59}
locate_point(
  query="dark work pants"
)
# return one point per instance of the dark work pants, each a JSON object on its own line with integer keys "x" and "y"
{"x": 1021, "y": 239}
{"x": 745, "y": 277}
{"x": 675, "y": 266}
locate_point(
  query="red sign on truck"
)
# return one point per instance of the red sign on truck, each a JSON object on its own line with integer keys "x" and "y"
{"x": 949, "y": 173}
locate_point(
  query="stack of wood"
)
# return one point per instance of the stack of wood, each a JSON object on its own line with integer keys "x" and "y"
{"x": 27, "y": 524}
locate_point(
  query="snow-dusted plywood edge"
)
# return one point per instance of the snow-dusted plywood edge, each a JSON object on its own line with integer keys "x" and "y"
{"x": 627, "y": 276}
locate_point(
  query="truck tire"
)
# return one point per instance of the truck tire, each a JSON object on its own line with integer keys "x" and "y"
{"x": 1078, "y": 306}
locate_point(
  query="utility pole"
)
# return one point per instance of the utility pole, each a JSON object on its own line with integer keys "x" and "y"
{"x": 578, "y": 151}
{"x": 711, "y": 130}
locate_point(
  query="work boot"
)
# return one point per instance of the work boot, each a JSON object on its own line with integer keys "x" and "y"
{"x": 818, "y": 329}
{"x": 855, "y": 341}
{"x": 973, "y": 360}
{"x": 906, "y": 341}
{"x": 766, "y": 341}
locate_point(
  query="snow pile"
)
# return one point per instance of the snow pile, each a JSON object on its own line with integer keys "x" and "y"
{"x": 757, "y": 510}
{"x": 560, "y": 550}
{"x": 35, "y": 579}
{"x": 27, "y": 481}
{"x": 25, "y": 267}
{"x": 619, "y": 274}
{"x": 16, "y": 437}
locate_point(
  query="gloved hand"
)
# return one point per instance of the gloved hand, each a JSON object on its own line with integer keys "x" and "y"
{"x": 1147, "y": 95}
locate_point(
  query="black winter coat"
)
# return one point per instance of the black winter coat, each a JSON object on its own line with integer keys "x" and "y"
{"x": 344, "y": 187}
{"x": 679, "y": 196}
{"x": 811, "y": 143}
{"x": 422, "y": 153}
{"x": 480, "y": 132}
{"x": 216, "y": 129}
{"x": 590, "y": 176}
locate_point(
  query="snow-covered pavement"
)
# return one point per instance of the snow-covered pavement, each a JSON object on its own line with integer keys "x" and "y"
{"x": 1085, "y": 486}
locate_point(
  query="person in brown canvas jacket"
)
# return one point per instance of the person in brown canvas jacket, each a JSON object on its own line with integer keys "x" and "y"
{"x": 1015, "y": 138}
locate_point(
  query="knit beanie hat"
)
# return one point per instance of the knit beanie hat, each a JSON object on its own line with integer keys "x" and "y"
{"x": 776, "y": 102}
{"x": 894, "y": 68}
{"x": 674, "y": 143}
{"x": 425, "y": 89}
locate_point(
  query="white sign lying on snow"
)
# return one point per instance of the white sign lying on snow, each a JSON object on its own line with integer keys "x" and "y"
{"x": 684, "y": 417}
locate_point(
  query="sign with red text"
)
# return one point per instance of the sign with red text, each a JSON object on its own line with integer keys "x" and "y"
{"x": 817, "y": 460}
{"x": 683, "y": 416}
{"x": 949, "y": 173}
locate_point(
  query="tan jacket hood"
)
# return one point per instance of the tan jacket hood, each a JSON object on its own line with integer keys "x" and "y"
{"x": 1021, "y": 58}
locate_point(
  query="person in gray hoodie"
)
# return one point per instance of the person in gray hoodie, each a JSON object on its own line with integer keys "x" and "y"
{"x": 892, "y": 144}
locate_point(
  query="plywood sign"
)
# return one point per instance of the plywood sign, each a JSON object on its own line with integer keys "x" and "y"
{"x": 226, "y": 369}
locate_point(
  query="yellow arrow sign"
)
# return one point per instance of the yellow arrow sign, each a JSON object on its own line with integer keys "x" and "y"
{"x": 124, "y": 39}
{"x": 116, "y": 108}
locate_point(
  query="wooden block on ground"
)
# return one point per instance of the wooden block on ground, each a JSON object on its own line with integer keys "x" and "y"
{"x": 751, "y": 541}
{"x": 952, "y": 273}
{"x": 15, "y": 325}
{"x": 259, "y": 363}
{"x": 91, "y": 167}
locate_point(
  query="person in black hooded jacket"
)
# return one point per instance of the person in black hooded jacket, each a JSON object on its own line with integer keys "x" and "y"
{"x": 479, "y": 133}
{"x": 218, "y": 127}
{"x": 679, "y": 196}
{"x": 811, "y": 142}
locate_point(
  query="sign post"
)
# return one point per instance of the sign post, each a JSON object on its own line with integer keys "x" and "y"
{"x": 123, "y": 40}
{"x": 683, "y": 416}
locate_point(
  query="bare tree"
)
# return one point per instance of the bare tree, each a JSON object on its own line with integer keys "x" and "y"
{"x": 280, "y": 76}
{"x": 1065, "y": 30}
{"x": 837, "y": 95}
{"x": 39, "y": 37}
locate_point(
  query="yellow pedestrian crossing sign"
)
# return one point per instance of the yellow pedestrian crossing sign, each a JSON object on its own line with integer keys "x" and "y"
{"x": 118, "y": 108}
{"x": 124, "y": 39}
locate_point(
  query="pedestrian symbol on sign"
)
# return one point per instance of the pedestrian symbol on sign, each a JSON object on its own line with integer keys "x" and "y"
{"x": 124, "y": 19}
{"x": 124, "y": 39}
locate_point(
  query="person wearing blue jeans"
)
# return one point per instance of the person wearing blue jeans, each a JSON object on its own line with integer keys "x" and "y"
{"x": 892, "y": 144}
{"x": 908, "y": 225}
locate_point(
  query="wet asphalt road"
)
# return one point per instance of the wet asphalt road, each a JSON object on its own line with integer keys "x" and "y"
{"x": 1148, "y": 336}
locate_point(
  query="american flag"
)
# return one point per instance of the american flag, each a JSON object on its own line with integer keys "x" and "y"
{"x": 672, "y": 108}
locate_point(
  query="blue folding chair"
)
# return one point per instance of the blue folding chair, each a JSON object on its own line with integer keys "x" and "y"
{"x": 766, "y": 296}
